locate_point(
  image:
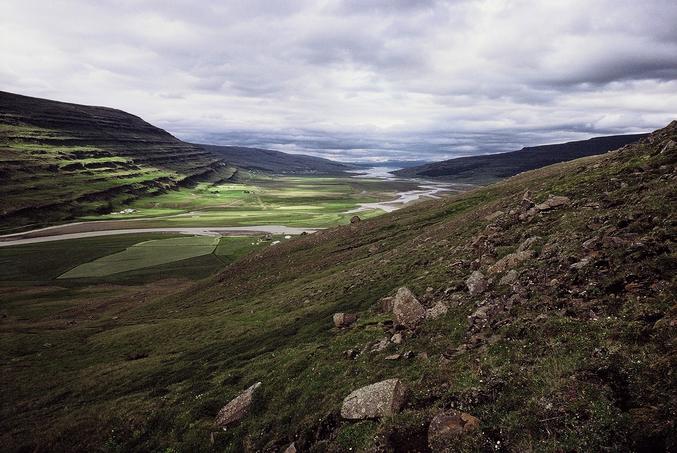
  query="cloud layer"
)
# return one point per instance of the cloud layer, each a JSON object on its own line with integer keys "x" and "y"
{"x": 355, "y": 79}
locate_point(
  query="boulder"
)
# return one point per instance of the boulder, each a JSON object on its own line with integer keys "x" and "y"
{"x": 510, "y": 261}
{"x": 509, "y": 278}
{"x": 393, "y": 357}
{"x": 237, "y": 408}
{"x": 381, "y": 399}
{"x": 355, "y": 219}
{"x": 553, "y": 202}
{"x": 449, "y": 426}
{"x": 407, "y": 309}
{"x": 291, "y": 448}
{"x": 476, "y": 283}
{"x": 397, "y": 338}
{"x": 343, "y": 320}
{"x": 437, "y": 310}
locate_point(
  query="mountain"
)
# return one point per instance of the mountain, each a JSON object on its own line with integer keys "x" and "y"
{"x": 60, "y": 160}
{"x": 539, "y": 315}
{"x": 276, "y": 161}
{"x": 492, "y": 167}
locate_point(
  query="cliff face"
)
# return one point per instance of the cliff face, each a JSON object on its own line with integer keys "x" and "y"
{"x": 492, "y": 167}
{"x": 59, "y": 160}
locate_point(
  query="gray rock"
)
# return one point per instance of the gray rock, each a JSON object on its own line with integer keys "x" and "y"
{"x": 528, "y": 243}
{"x": 291, "y": 448}
{"x": 510, "y": 261}
{"x": 509, "y": 278}
{"x": 476, "y": 283}
{"x": 439, "y": 309}
{"x": 553, "y": 202}
{"x": 397, "y": 338}
{"x": 407, "y": 309}
{"x": 237, "y": 408}
{"x": 381, "y": 399}
{"x": 343, "y": 320}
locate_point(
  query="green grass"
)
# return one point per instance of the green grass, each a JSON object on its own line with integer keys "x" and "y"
{"x": 145, "y": 254}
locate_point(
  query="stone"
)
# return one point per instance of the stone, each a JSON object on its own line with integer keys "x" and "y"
{"x": 448, "y": 426}
{"x": 237, "y": 408}
{"x": 476, "y": 283}
{"x": 343, "y": 320}
{"x": 381, "y": 399}
{"x": 509, "y": 278}
{"x": 386, "y": 304}
{"x": 380, "y": 345}
{"x": 510, "y": 261}
{"x": 553, "y": 202}
{"x": 494, "y": 215}
{"x": 407, "y": 309}
{"x": 437, "y": 310}
{"x": 355, "y": 219}
{"x": 393, "y": 357}
{"x": 528, "y": 243}
{"x": 291, "y": 448}
{"x": 397, "y": 338}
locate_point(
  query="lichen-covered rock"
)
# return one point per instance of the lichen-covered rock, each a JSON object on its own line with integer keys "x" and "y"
{"x": 407, "y": 309}
{"x": 381, "y": 399}
{"x": 476, "y": 283}
{"x": 510, "y": 261}
{"x": 437, "y": 310}
{"x": 449, "y": 426}
{"x": 343, "y": 320}
{"x": 509, "y": 278}
{"x": 553, "y": 202}
{"x": 237, "y": 408}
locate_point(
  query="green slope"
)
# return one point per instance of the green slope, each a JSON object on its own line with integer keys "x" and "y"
{"x": 60, "y": 160}
{"x": 577, "y": 354}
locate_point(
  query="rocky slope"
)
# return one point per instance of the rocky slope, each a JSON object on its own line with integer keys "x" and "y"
{"x": 535, "y": 314}
{"x": 492, "y": 167}
{"x": 59, "y": 160}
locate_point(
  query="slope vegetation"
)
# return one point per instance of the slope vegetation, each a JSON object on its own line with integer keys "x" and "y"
{"x": 276, "y": 161}
{"x": 60, "y": 160}
{"x": 551, "y": 321}
{"x": 490, "y": 168}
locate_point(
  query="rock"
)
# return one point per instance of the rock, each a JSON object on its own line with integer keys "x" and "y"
{"x": 355, "y": 219}
{"x": 393, "y": 357}
{"x": 580, "y": 264}
{"x": 237, "y": 408}
{"x": 494, "y": 215}
{"x": 510, "y": 261}
{"x": 379, "y": 345}
{"x": 351, "y": 353}
{"x": 291, "y": 448}
{"x": 476, "y": 283}
{"x": 343, "y": 320}
{"x": 528, "y": 243}
{"x": 509, "y": 278}
{"x": 373, "y": 248}
{"x": 386, "y": 304}
{"x": 398, "y": 338}
{"x": 553, "y": 202}
{"x": 407, "y": 309}
{"x": 381, "y": 399}
{"x": 408, "y": 355}
{"x": 448, "y": 426}
{"x": 422, "y": 355}
{"x": 439, "y": 309}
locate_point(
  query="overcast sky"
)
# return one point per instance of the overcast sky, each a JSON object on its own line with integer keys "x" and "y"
{"x": 355, "y": 79}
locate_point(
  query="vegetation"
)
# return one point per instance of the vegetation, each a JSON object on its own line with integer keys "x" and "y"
{"x": 575, "y": 355}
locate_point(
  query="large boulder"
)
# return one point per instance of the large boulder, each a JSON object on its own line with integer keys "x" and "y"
{"x": 237, "y": 408}
{"x": 381, "y": 399}
{"x": 407, "y": 309}
{"x": 510, "y": 261}
{"x": 449, "y": 426}
{"x": 343, "y": 320}
{"x": 553, "y": 202}
{"x": 476, "y": 283}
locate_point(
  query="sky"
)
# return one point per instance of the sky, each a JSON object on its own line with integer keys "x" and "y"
{"x": 355, "y": 80}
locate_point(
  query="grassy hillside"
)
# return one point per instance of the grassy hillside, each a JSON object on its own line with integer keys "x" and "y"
{"x": 60, "y": 160}
{"x": 493, "y": 167}
{"x": 573, "y": 351}
{"x": 277, "y": 162}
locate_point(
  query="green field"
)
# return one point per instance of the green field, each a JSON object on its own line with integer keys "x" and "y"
{"x": 308, "y": 201}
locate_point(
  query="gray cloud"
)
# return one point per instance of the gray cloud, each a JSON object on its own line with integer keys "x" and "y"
{"x": 367, "y": 79}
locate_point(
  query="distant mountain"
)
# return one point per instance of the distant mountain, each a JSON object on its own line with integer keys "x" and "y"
{"x": 276, "y": 161}
{"x": 488, "y": 168}
{"x": 61, "y": 160}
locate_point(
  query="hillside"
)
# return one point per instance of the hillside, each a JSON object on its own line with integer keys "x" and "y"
{"x": 541, "y": 317}
{"x": 492, "y": 167}
{"x": 276, "y": 161}
{"x": 60, "y": 160}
